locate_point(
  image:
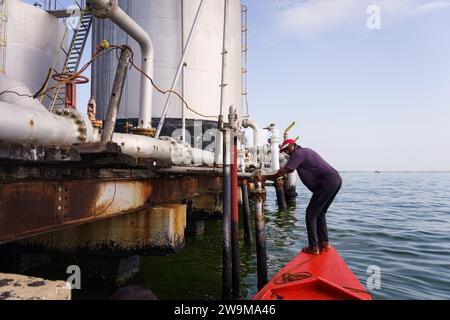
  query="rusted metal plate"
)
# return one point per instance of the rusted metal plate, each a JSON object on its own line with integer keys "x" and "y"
{"x": 33, "y": 207}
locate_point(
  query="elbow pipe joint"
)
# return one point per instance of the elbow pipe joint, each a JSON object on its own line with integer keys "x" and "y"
{"x": 109, "y": 9}
{"x": 102, "y": 8}
{"x": 246, "y": 123}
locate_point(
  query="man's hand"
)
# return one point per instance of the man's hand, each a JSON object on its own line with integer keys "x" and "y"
{"x": 258, "y": 176}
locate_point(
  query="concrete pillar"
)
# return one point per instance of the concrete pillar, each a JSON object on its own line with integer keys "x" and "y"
{"x": 158, "y": 230}
{"x": 207, "y": 206}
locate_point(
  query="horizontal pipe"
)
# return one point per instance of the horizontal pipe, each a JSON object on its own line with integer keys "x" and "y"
{"x": 200, "y": 171}
{"x": 143, "y": 147}
{"x": 30, "y": 125}
{"x": 162, "y": 149}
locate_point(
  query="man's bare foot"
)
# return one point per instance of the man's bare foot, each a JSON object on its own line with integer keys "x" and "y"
{"x": 311, "y": 250}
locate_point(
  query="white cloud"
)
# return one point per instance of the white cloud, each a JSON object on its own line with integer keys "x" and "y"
{"x": 431, "y": 6}
{"x": 312, "y": 16}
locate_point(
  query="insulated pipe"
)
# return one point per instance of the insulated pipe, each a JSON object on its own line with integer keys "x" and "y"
{"x": 226, "y": 255}
{"x": 109, "y": 9}
{"x": 275, "y": 159}
{"x": 25, "y": 120}
{"x": 183, "y": 114}
{"x": 247, "y": 123}
{"x": 234, "y": 219}
{"x": 29, "y": 125}
{"x": 143, "y": 147}
{"x": 275, "y": 147}
{"x": 201, "y": 171}
{"x": 116, "y": 95}
{"x": 202, "y": 157}
{"x": 261, "y": 249}
{"x": 218, "y": 148}
{"x": 180, "y": 68}
{"x": 290, "y": 186}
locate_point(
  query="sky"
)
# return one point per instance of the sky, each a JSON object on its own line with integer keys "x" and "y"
{"x": 365, "y": 98}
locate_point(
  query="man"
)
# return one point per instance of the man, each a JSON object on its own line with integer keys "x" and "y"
{"x": 321, "y": 179}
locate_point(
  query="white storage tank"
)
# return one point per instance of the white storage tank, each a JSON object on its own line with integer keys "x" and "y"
{"x": 168, "y": 23}
{"x": 30, "y": 39}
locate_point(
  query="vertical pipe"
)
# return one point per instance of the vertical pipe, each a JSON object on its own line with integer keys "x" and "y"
{"x": 116, "y": 95}
{"x": 235, "y": 220}
{"x": 183, "y": 80}
{"x": 275, "y": 154}
{"x": 183, "y": 114}
{"x": 261, "y": 254}
{"x": 226, "y": 256}
{"x": 246, "y": 213}
{"x": 224, "y": 52}
{"x": 290, "y": 188}
{"x": 219, "y": 142}
{"x": 180, "y": 68}
{"x": 279, "y": 189}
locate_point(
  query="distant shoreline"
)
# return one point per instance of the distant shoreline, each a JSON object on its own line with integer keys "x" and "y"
{"x": 380, "y": 171}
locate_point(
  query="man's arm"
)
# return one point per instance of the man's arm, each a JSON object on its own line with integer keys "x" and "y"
{"x": 280, "y": 173}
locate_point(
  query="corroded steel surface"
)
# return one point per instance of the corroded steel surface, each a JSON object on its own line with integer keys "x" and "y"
{"x": 31, "y": 207}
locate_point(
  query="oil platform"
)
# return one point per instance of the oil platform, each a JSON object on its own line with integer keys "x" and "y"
{"x": 162, "y": 141}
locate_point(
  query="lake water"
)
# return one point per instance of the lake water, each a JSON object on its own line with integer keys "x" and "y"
{"x": 399, "y": 222}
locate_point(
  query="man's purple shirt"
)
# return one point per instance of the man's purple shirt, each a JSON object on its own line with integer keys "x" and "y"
{"x": 313, "y": 170}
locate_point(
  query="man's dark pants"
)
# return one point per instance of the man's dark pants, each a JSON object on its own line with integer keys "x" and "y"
{"x": 316, "y": 223}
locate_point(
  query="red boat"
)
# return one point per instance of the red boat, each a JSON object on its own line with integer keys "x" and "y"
{"x": 315, "y": 277}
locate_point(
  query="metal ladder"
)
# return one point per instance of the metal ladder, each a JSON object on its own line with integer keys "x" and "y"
{"x": 244, "y": 50}
{"x": 73, "y": 55}
{"x": 3, "y": 35}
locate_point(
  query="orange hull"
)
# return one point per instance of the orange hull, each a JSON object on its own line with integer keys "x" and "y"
{"x": 311, "y": 277}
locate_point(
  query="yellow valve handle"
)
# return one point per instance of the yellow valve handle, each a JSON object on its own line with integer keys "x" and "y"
{"x": 104, "y": 44}
{"x": 289, "y": 128}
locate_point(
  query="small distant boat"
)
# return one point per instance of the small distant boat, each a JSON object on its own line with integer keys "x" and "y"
{"x": 311, "y": 277}
{"x": 377, "y": 171}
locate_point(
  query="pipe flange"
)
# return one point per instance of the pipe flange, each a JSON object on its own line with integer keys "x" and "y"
{"x": 148, "y": 132}
{"x": 78, "y": 120}
{"x": 101, "y": 8}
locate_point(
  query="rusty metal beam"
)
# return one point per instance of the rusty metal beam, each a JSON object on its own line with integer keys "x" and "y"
{"x": 29, "y": 208}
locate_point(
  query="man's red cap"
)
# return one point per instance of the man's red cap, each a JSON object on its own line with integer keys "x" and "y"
{"x": 286, "y": 143}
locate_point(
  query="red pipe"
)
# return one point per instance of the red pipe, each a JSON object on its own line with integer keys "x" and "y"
{"x": 71, "y": 95}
